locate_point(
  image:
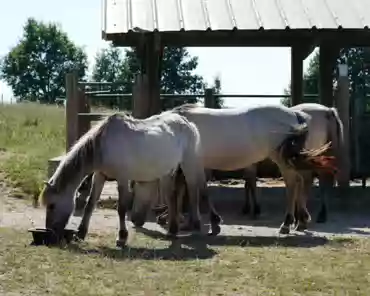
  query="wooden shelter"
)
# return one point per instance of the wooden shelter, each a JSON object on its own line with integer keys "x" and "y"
{"x": 301, "y": 25}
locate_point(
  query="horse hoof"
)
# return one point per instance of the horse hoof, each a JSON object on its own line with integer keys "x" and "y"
{"x": 171, "y": 236}
{"x": 81, "y": 234}
{"x": 161, "y": 221}
{"x": 284, "y": 229}
{"x": 120, "y": 243}
{"x": 77, "y": 239}
{"x": 301, "y": 227}
{"x": 215, "y": 230}
{"x": 138, "y": 224}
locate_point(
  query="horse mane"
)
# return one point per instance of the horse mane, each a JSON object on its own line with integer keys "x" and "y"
{"x": 184, "y": 107}
{"x": 85, "y": 150}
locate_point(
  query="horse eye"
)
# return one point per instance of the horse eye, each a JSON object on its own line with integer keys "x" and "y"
{"x": 51, "y": 207}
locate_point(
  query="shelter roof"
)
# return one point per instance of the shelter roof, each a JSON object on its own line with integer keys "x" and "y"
{"x": 235, "y": 22}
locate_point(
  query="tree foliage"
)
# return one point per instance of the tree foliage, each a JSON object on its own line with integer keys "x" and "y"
{"x": 36, "y": 67}
{"x": 358, "y": 61}
{"x": 177, "y": 75}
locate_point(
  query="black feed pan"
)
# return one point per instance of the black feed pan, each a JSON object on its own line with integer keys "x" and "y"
{"x": 44, "y": 236}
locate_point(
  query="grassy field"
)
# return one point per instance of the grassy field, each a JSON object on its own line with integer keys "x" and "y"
{"x": 30, "y": 134}
{"x": 223, "y": 266}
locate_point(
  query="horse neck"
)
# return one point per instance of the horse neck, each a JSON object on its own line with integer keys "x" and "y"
{"x": 74, "y": 180}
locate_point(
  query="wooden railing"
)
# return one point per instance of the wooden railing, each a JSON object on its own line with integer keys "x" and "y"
{"x": 78, "y": 103}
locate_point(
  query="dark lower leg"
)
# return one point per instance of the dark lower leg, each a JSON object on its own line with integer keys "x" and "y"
{"x": 285, "y": 227}
{"x": 326, "y": 184}
{"x": 97, "y": 188}
{"x": 292, "y": 184}
{"x": 255, "y": 207}
{"x": 246, "y": 207}
{"x": 122, "y": 208}
{"x": 173, "y": 225}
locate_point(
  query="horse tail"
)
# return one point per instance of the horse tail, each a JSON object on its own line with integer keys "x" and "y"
{"x": 335, "y": 130}
{"x": 296, "y": 156}
{"x": 336, "y": 136}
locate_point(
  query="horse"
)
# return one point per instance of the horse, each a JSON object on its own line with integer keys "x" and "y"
{"x": 324, "y": 126}
{"x": 237, "y": 138}
{"x": 117, "y": 148}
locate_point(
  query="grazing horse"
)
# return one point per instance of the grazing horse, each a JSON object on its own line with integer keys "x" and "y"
{"x": 324, "y": 126}
{"x": 123, "y": 148}
{"x": 236, "y": 138}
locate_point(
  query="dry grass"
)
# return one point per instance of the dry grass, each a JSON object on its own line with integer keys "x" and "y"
{"x": 220, "y": 266}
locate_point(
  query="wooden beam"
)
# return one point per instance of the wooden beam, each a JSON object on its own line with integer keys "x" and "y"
{"x": 296, "y": 75}
{"x": 269, "y": 38}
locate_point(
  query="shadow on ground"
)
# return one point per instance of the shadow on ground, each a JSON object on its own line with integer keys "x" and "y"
{"x": 193, "y": 247}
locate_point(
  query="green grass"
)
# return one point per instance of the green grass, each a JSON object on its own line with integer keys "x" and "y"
{"x": 226, "y": 266}
{"x": 30, "y": 134}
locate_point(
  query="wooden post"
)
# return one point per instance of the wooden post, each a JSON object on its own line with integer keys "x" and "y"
{"x": 71, "y": 109}
{"x": 209, "y": 99}
{"x": 147, "y": 87}
{"x": 327, "y": 62}
{"x": 343, "y": 104}
{"x": 296, "y": 75}
{"x": 140, "y": 107}
{"x": 83, "y": 123}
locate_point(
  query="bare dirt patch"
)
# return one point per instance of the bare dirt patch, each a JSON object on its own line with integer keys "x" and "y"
{"x": 347, "y": 217}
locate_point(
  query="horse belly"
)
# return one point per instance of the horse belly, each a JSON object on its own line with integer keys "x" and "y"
{"x": 230, "y": 161}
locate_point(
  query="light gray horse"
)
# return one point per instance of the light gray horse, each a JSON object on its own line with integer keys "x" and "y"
{"x": 324, "y": 126}
{"x": 236, "y": 138}
{"x": 124, "y": 148}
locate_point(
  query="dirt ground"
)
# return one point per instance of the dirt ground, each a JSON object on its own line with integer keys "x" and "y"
{"x": 348, "y": 213}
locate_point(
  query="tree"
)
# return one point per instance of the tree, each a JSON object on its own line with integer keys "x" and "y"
{"x": 111, "y": 66}
{"x": 36, "y": 67}
{"x": 177, "y": 75}
{"x": 358, "y": 60}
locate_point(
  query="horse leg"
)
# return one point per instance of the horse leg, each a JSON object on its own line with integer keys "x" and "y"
{"x": 292, "y": 180}
{"x": 173, "y": 204}
{"x": 326, "y": 183}
{"x": 247, "y": 205}
{"x": 83, "y": 193}
{"x": 194, "y": 179}
{"x": 250, "y": 187}
{"x": 98, "y": 181}
{"x": 123, "y": 203}
{"x": 302, "y": 215}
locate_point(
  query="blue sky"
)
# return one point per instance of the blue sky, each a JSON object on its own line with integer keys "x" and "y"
{"x": 242, "y": 70}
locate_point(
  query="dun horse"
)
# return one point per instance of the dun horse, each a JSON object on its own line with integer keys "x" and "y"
{"x": 324, "y": 126}
{"x": 124, "y": 148}
{"x": 237, "y": 138}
